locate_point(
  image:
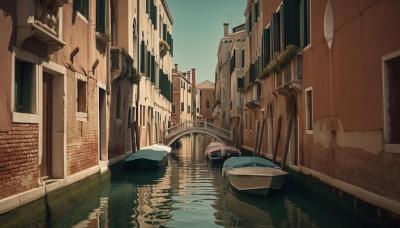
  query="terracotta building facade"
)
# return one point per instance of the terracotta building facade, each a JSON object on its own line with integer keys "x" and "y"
{"x": 321, "y": 86}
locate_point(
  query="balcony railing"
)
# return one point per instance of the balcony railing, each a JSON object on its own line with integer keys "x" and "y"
{"x": 40, "y": 20}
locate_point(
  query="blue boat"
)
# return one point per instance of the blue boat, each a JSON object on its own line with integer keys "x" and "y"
{"x": 147, "y": 159}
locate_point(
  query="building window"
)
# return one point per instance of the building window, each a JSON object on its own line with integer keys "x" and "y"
{"x": 182, "y": 107}
{"x": 81, "y": 96}
{"x": 392, "y": 99}
{"x": 188, "y": 109}
{"x": 207, "y": 103}
{"x": 100, "y": 16}
{"x": 304, "y": 23}
{"x": 173, "y": 108}
{"x": 24, "y": 87}
{"x": 309, "y": 110}
{"x": 189, "y": 89}
{"x": 82, "y": 6}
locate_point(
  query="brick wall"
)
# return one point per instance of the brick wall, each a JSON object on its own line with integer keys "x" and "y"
{"x": 82, "y": 149}
{"x": 206, "y": 94}
{"x": 18, "y": 159}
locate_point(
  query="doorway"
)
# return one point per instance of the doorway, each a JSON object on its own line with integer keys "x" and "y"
{"x": 102, "y": 125}
{"x": 46, "y": 169}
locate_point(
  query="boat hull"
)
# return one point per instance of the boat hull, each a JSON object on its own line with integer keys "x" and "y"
{"x": 256, "y": 180}
{"x": 143, "y": 163}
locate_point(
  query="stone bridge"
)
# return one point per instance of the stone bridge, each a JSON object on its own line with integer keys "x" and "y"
{"x": 176, "y": 132}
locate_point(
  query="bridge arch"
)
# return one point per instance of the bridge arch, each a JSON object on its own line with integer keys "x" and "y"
{"x": 186, "y": 133}
{"x": 176, "y": 132}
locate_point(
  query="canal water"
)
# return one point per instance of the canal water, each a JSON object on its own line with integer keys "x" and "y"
{"x": 190, "y": 192}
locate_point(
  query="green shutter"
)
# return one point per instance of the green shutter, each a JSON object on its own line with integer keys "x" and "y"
{"x": 266, "y": 47}
{"x": 291, "y": 23}
{"x": 100, "y": 16}
{"x": 142, "y": 57}
{"x": 276, "y": 32}
{"x": 153, "y": 70}
{"x": 148, "y": 62}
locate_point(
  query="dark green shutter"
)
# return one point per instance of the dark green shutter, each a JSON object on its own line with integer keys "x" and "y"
{"x": 153, "y": 70}
{"x": 142, "y": 57}
{"x": 266, "y": 47}
{"x": 148, "y": 64}
{"x": 164, "y": 32}
{"x": 100, "y": 16}
{"x": 291, "y": 23}
{"x": 276, "y": 32}
{"x": 304, "y": 22}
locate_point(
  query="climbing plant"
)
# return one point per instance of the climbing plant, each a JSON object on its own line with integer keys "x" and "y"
{"x": 279, "y": 61}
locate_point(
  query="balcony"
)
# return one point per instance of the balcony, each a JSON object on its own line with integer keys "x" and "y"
{"x": 290, "y": 76}
{"x": 252, "y": 96}
{"x": 122, "y": 65}
{"x": 40, "y": 20}
{"x": 164, "y": 48}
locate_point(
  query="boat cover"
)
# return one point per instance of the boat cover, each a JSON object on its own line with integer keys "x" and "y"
{"x": 149, "y": 154}
{"x": 159, "y": 147}
{"x": 237, "y": 162}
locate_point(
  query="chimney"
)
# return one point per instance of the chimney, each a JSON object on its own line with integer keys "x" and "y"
{"x": 226, "y": 29}
{"x": 176, "y": 67}
{"x": 194, "y": 77}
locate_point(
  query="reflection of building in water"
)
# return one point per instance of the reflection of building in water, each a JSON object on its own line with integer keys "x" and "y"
{"x": 98, "y": 217}
{"x": 153, "y": 201}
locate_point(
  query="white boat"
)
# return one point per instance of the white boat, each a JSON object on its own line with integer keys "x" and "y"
{"x": 213, "y": 151}
{"x": 161, "y": 147}
{"x": 254, "y": 175}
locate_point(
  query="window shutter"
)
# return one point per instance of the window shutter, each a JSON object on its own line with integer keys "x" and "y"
{"x": 100, "y": 16}
{"x": 152, "y": 69}
{"x": 290, "y": 23}
{"x": 142, "y": 57}
{"x": 266, "y": 47}
{"x": 276, "y": 32}
{"x": 148, "y": 59}
{"x": 164, "y": 32}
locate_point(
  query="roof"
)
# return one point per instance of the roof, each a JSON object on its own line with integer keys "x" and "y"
{"x": 205, "y": 85}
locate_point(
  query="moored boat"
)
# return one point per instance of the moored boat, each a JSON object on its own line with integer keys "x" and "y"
{"x": 213, "y": 151}
{"x": 147, "y": 158}
{"x": 254, "y": 175}
{"x": 230, "y": 151}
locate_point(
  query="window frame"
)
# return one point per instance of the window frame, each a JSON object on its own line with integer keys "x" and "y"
{"x": 81, "y": 116}
{"x": 388, "y": 147}
{"x": 19, "y": 117}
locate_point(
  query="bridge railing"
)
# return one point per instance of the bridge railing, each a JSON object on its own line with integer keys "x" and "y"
{"x": 197, "y": 124}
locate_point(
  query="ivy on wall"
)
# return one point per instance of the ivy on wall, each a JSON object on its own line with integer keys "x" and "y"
{"x": 279, "y": 61}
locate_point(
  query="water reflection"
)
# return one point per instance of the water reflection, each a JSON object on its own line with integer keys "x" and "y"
{"x": 191, "y": 193}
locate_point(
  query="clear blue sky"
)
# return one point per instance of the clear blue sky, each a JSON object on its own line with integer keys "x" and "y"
{"x": 197, "y": 30}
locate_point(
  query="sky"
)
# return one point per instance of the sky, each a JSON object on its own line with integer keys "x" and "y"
{"x": 197, "y": 30}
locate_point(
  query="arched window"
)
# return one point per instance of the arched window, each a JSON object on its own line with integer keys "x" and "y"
{"x": 207, "y": 103}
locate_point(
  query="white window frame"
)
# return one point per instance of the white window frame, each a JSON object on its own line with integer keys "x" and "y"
{"x": 306, "y": 111}
{"x": 388, "y": 147}
{"x": 22, "y": 55}
{"x": 81, "y": 116}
